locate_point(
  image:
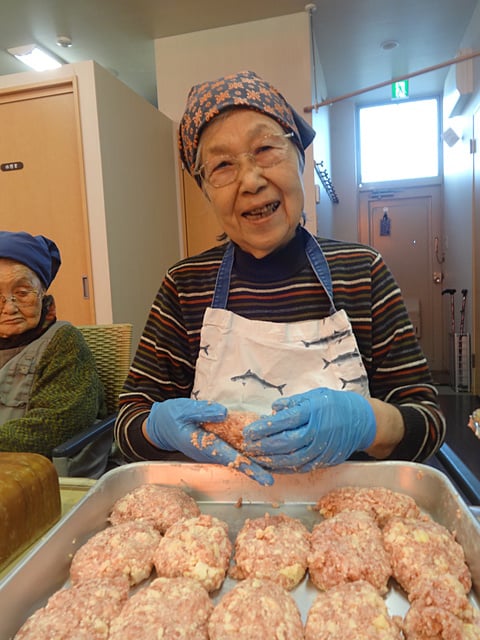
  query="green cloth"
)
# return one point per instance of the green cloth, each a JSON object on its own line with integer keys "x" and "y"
{"x": 67, "y": 396}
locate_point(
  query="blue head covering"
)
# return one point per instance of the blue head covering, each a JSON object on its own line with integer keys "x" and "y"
{"x": 38, "y": 253}
{"x": 244, "y": 89}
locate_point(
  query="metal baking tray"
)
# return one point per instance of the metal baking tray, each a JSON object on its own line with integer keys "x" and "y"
{"x": 231, "y": 496}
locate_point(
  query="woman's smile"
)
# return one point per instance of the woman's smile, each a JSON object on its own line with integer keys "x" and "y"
{"x": 262, "y": 212}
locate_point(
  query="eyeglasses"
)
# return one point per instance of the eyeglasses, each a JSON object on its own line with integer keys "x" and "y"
{"x": 221, "y": 170}
{"x": 20, "y": 298}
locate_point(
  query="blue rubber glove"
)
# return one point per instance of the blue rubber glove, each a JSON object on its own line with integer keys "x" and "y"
{"x": 318, "y": 428}
{"x": 175, "y": 425}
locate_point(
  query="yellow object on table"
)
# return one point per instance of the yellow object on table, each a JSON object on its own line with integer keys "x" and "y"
{"x": 72, "y": 491}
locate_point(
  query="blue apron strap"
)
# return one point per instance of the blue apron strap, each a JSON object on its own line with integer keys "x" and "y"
{"x": 319, "y": 264}
{"x": 222, "y": 285}
{"x": 315, "y": 256}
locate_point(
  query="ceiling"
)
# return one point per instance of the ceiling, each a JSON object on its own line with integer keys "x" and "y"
{"x": 120, "y": 34}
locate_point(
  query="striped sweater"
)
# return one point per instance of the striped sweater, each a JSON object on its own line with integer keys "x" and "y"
{"x": 283, "y": 288}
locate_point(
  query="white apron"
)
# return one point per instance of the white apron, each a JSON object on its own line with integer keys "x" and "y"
{"x": 247, "y": 364}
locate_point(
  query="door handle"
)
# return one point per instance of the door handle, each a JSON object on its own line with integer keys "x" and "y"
{"x": 85, "y": 288}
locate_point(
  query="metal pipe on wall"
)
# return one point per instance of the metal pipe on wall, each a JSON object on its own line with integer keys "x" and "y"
{"x": 329, "y": 101}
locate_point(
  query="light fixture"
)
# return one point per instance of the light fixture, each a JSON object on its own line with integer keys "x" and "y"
{"x": 35, "y": 57}
{"x": 388, "y": 45}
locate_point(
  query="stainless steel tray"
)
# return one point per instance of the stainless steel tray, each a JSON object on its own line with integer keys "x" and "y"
{"x": 218, "y": 490}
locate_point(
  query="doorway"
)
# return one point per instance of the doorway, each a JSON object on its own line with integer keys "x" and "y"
{"x": 405, "y": 226}
{"x": 42, "y": 185}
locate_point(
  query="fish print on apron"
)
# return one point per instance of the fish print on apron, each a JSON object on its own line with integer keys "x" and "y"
{"x": 248, "y": 364}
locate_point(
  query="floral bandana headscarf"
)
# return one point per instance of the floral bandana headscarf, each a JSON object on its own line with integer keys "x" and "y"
{"x": 244, "y": 89}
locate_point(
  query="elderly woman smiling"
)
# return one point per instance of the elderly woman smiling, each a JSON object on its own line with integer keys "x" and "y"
{"x": 49, "y": 388}
{"x": 310, "y": 333}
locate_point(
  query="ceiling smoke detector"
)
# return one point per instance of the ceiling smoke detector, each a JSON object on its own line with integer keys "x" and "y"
{"x": 388, "y": 45}
{"x": 64, "y": 41}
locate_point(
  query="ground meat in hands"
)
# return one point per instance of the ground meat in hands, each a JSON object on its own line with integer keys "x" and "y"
{"x": 231, "y": 429}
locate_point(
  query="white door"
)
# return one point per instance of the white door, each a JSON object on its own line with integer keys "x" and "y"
{"x": 405, "y": 227}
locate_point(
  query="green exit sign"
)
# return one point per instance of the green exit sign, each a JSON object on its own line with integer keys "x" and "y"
{"x": 400, "y": 90}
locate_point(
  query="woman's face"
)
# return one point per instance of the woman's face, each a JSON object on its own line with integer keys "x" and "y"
{"x": 18, "y": 280}
{"x": 261, "y": 209}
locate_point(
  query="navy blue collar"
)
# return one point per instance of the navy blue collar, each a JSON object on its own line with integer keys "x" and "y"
{"x": 278, "y": 265}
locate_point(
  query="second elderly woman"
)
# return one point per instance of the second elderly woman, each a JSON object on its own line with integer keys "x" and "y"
{"x": 310, "y": 333}
{"x": 49, "y": 386}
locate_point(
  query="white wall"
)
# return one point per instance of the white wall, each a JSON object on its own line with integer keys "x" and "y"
{"x": 139, "y": 187}
{"x": 325, "y": 209}
{"x": 458, "y": 200}
{"x": 461, "y": 196}
{"x": 459, "y": 177}
{"x": 277, "y": 49}
{"x": 342, "y": 131}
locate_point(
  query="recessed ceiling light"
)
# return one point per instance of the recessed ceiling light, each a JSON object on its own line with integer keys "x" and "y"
{"x": 387, "y": 45}
{"x": 35, "y": 57}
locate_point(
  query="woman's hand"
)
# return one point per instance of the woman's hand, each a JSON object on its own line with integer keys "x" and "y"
{"x": 175, "y": 425}
{"x": 318, "y": 428}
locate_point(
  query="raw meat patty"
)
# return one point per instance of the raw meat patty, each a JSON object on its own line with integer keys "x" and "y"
{"x": 124, "y": 549}
{"x": 444, "y": 591}
{"x": 435, "y": 623}
{"x": 379, "y": 502}
{"x": 440, "y": 610}
{"x": 159, "y": 505}
{"x": 351, "y": 611}
{"x": 346, "y": 548}
{"x": 82, "y": 612}
{"x": 231, "y": 429}
{"x": 167, "y": 608}
{"x": 256, "y": 610}
{"x": 196, "y": 548}
{"x": 274, "y": 547}
{"x": 423, "y": 547}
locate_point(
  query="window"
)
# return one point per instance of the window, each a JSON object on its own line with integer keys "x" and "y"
{"x": 399, "y": 141}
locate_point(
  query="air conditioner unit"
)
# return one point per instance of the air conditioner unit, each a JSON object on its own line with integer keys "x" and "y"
{"x": 458, "y": 86}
